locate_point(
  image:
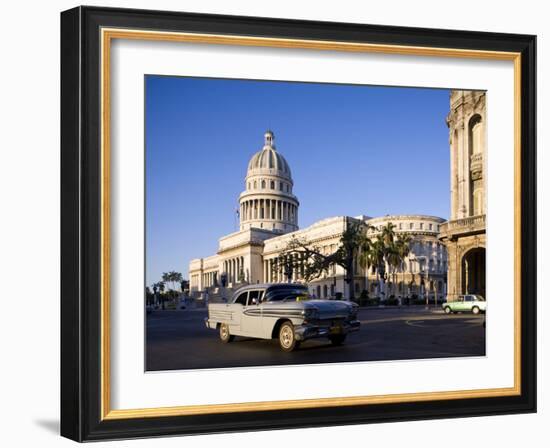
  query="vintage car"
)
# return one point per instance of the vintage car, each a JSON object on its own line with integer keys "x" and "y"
{"x": 282, "y": 311}
{"x": 473, "y": 303}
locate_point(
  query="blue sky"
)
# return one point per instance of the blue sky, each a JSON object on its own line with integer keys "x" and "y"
{"x": 352, "y": 150}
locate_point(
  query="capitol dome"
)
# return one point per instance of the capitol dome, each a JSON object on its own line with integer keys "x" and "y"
{"x": 268, "y": 202}
{"x": 268, "y": 159}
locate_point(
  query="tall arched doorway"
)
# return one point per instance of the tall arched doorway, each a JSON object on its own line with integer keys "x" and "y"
{"x": 473, "y": 271}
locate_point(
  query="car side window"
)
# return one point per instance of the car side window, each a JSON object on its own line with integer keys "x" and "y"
{"x": 468, "y": 298}
{"x": 254, "y": 297}
{"x": 242, "y": 298}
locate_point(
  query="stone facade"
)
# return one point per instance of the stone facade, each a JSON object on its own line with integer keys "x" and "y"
{"x": 424, "y": 271}
{"x": 465, "y": 233}
{"x": 269, "y": 220}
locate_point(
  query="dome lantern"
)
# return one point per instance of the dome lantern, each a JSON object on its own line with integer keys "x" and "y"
{"x": 269, "y": 139}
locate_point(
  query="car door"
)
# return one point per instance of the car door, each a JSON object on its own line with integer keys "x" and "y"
{"x": 251, "y": 319}
{"x": 237, "y": 308}
{"x": 460, "y": 304}
{"x": 468, "y": 302}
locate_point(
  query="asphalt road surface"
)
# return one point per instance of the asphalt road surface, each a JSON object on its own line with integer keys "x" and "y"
{"x": 180, "y": 340}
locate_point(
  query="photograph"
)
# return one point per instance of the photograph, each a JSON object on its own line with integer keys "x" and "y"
{"x": 299, "y": 223}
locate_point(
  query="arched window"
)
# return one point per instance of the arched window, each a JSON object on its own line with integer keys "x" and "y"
{"x": 255, "y": 185}
{"x": 325, "y": 291}
{"x": 263, "y": 184}
{"x": 475, "y": 135}
{"x": 476, "y": 145}
{"x": 281, "y": 186}
{"x": 272, "y": 185}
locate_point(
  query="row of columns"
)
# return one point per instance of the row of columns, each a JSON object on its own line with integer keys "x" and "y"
{"x": 274, "y": 274}
{"x": 194, "y": 281}
{"x": 233, "y": 268}
{"x": 208, "y": 279}
{"x": 268, "y": 209}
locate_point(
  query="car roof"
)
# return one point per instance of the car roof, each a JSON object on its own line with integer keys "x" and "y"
{"x": 269, "y": 285}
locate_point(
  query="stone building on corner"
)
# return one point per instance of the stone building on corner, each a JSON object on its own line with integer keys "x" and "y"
{"x": 464, "y": 234}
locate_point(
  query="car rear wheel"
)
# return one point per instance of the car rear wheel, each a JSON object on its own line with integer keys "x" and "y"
{"x": 287, "y": 337}
{"x": 225, "y": 336}
{"x": 337, "y": 339}
{"x": 448, "y": 310}
{"x": 475, "y": 310}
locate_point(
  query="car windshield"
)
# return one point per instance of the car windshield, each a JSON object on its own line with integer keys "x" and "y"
{"x": 287, "y": 295}
{"x": 480, "y": 298}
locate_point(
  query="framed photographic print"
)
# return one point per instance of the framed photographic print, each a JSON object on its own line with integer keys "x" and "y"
{"x": 274, "y": 223}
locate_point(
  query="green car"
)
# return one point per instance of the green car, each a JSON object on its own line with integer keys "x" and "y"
{"x": 466, "y": 303}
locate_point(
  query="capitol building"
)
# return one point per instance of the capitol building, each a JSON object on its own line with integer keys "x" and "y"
{"x": 268, "y": 220}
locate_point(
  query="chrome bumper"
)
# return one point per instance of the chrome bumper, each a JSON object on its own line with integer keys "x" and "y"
{"x": 210, "y": 323}
{"x": 304, "y": 332}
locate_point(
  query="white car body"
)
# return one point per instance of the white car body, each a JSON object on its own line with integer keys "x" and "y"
{"x": 258, "y": 311}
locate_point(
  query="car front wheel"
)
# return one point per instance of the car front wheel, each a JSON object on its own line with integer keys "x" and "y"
{"x": 475, "y": 310}
{"x": 225, "y": 336}
{"x": 448, "y": 310}
{"x": 287, "y": 337}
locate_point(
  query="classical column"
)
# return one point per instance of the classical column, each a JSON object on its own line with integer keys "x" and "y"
{"x": 454, "y": 173}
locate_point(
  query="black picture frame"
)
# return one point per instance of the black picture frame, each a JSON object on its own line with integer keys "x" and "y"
{"x": 81, "y": 224}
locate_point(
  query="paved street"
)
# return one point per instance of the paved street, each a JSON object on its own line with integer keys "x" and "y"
{"x": 179, "y": 340}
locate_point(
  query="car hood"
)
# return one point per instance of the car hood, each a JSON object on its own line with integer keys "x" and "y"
{"x": 331, "y": 309}
{"x": 327, "y": 309}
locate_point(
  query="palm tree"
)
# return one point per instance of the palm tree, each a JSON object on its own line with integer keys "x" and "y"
{"x": 177, "y": 278}
{"x": 173, "y": 278}
{"x": 403, "y": 249}
{"x": 383, "y": 255}
{"x": 387, "y": 249}
{"x": 166, "y": 277}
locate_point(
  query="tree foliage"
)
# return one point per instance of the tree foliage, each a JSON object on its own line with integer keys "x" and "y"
{"x": 173, "y": 279}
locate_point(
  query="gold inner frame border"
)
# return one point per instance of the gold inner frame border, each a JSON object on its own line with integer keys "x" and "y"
{"x": 107, "y": 35}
